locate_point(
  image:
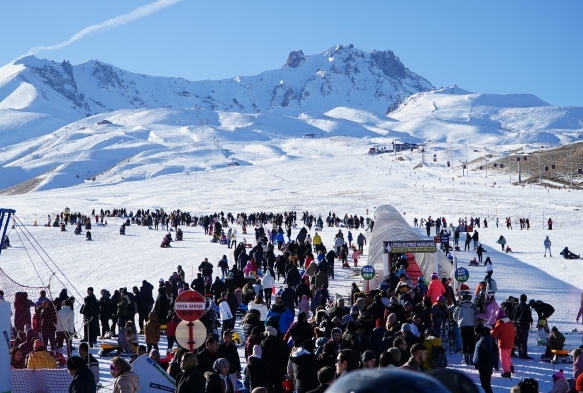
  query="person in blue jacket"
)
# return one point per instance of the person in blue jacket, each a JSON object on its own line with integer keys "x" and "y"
{"x": 485, "y": 358}
{"x": 279, "y": 315}
{"x": 279, "y": 239}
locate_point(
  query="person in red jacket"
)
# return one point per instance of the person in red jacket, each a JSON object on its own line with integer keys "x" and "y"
{"x": 435, "y": 288}
{"x": 505, "y": 331}
{"x": 171, "y": 331}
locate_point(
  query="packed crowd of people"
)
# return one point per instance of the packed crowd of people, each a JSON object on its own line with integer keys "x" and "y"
{"x": 299, "y": 338}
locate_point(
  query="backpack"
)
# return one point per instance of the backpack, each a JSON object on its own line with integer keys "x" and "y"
{"x": 438, "y": 357}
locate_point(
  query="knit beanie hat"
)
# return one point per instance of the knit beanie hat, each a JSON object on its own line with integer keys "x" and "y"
{"x": 257, "y": 352}
{"x": 530, "y": 385}
{"x": 75, "y": 363}
{"x": 368, "y": 355}
{"x": 220, "y": 363}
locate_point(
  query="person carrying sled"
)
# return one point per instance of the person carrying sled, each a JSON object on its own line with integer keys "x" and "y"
{"x": 568, "y": 254}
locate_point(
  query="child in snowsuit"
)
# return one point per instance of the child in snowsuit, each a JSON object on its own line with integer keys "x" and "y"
{"x": 304, "y": 305}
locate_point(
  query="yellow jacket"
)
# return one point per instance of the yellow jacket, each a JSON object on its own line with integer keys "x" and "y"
{"x": 429, "y": 343}
{"x": 317, "y": 239}
{"x": 40, "y": 359}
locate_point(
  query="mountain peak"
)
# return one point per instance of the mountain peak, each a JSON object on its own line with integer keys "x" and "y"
{"x": 295, "y": 58}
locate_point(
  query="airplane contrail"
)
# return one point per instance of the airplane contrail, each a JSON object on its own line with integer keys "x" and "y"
{"x": 138, "y": 13}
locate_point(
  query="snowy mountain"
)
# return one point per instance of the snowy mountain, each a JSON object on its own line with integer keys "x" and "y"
{"x": 339, "y": 76}
{"x": 63, "y": 125}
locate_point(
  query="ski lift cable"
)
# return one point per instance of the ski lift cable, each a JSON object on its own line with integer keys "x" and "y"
{"x": 29, "y": 257}
{"x": 50, "y": 259}
{"x": 53, "y": 274}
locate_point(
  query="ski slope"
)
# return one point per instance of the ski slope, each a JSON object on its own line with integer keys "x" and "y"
{"x": 318, "y": 175}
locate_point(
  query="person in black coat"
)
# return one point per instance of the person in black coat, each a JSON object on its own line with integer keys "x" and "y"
{"x": 198, "y": 284}
{"x": 219, "y": 381}
{"x": 218, "y": 287}
{"x": 289, "y": 296}
{"x": 190, "y": 379}
{"x": 104, "y": 312}
{"x": 305, "y": 367}
{"x": 485, "y": 358}
{"x": 256, "y": 370}
{"x": 90, "y": 311}
{"x": 522, "y": 320}
{"x": 141, "y": 307}
{"x": 293, "y": 277}
{"x": 228, "y": 350}
{"x": 543, "y": 310}
{"x": 162, "y": 306}
{"x": 303, "y": 289}
{"x": 207, "y": 357}
{"x": 251, "y": 320}
{"x": 330, "y": 257}
{"x": 275, "y": 355}
{"x": 83, "y": 380}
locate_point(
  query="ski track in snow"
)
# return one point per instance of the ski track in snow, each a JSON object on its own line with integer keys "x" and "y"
{"x": 341, "y": 181}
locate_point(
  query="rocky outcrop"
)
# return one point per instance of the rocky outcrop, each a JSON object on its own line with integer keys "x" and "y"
{"x": 294, "y": 59}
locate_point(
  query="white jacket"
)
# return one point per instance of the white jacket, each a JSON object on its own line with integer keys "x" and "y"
{"x": 65, "y": 320}
{"x": 262, "y": 308}
{"x": 268, "y": 281}
{"x": 225, "y": 310}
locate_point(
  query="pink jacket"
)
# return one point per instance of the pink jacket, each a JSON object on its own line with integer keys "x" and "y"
{"x": 435, "y": 290}
{"x": 355, "y": 255}
{"x": 489, "y": 314}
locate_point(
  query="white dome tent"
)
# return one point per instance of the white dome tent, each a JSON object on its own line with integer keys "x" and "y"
{"x": 390, "y": 225}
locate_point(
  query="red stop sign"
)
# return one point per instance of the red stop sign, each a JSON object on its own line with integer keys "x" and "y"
{"x": 189, "y": 305}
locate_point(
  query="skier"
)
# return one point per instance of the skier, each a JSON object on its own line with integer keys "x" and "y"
{"x": 547, "y": 244}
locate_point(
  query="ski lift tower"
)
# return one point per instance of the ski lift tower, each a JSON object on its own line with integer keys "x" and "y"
{"x": 5, "y": 215}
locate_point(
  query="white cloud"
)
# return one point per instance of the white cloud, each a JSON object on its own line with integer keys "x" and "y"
{"x": 138, "y": 13}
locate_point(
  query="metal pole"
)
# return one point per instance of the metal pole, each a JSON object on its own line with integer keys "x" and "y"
{"x": 571, "y": 159}
{"x": 519, "y": 174}
{"x": 540, "y": 174}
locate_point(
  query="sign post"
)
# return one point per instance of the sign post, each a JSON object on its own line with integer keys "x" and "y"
{"x": 367, "y": 273}
{"x": 462, "y": 274}
{"x": 190, "y": 334}
{"x": 189, "y": 305}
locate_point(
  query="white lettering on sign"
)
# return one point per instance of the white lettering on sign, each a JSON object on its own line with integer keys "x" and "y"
{"x": 189, "y": 306}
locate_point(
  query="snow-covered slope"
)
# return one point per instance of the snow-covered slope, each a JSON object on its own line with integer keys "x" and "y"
{"x": 453, "y": 114}
{"x": 62, "y": 125}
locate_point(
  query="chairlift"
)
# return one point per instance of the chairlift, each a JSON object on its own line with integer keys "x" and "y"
{"x": 448, "y": 164}
{"x": 481, "y": 167}
{"x": 434, "y": 160}
{"x": 546, "y": 168}
{"x": 518, "y": 158}
{"x": 580, "y": 171}
{"x": 525, "y": 157}
{"x": 553, "y": 166}
{"x": 501, "y": 166}
{"x": 495, "y": 165}
{"x": 464, "y": 166}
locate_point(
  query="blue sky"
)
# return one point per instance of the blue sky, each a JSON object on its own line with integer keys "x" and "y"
{"x": 492, "y": 47}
